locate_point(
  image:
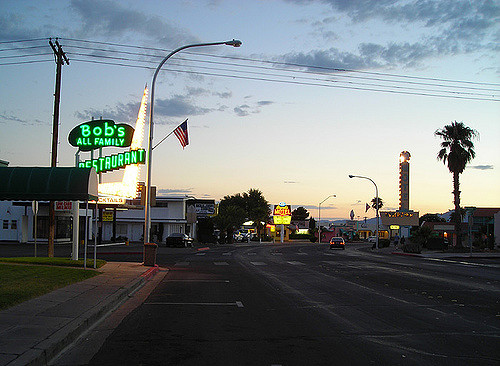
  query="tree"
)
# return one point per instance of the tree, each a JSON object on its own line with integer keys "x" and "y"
{"x": 256, "y": 207}
{"x": 374, "y": 203}
{"x": 236, "y": 209}
{"x": 230, "y": 216}
{"x": 300, "y": 214}
{"x": 430, "y": 218}
{"x": 457, "y": 150}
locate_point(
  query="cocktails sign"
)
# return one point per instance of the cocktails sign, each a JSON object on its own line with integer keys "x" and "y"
{"x": 101, "y": 133}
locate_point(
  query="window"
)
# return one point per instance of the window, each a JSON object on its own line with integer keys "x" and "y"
{"x": 13, "y": 225}
{"x": 5, "y": 224}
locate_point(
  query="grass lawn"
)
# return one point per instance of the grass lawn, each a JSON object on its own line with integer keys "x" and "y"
{"x": 23, "y": 282}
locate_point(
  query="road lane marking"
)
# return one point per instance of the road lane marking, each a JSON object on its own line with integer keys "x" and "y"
{"x": 238, "y": 304}
{"x": 181, "y": 264}
{"x": 277, "y": 253}
{"x": 208, "y": 281}
{"x": 295, "y": 263}
{"x": 221, "y": 263}
{"x": 300, "y": 253}
{"x": 228, "y": 253}
{"x": 202, "y": 253}
{"x": 259, "y": 263}
{"x": 252, "y": 253}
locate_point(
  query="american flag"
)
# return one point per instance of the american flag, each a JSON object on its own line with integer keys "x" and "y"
{"x": 182, "y": 134}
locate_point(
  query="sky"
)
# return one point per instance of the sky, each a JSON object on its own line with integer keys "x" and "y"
{"x": 319, "y": 89}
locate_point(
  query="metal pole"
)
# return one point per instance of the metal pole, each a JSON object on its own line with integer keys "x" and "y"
{"x": 95, "y": 235}
{"x": 149, "y": 155}
{"x": 86, "y": 233}
{"x": 319, "y": 216}
{"x": 376, "y": 200}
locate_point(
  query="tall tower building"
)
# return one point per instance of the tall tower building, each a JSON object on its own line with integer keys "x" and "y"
{"x": 404, "y": 181}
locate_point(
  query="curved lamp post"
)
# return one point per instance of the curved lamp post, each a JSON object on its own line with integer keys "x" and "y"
{"x": 149, "y": 160}
{"x": 319, "y": 216}
{"x": 376, "y": 207}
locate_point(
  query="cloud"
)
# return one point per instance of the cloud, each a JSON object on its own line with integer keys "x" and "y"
{"x": 246, "y": 109}
{"x": 107, "y": 18}
{"x": 179, "y": 191}
{"x": 481, "y": 167}
{"x": 242, "y": 110}
{"x": 122, "y": 113}
{"x": 8, "y": 117}
{"x": 452, "y": 26}
{"x": 179, "y": 106}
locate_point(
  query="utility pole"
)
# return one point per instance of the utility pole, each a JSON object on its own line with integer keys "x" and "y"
{"x": 60, "y": 58}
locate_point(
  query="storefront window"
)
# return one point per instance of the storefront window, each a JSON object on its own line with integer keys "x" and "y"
{"x": 13, "y": 225}
{"x": 5, "y": 224}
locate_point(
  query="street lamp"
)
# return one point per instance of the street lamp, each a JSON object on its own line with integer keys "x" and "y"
{"x": 319, "y": 216}
{"x": 376, "y": 199}
{"x": 149, "y": 156}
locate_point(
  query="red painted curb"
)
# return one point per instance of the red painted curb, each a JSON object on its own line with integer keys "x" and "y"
{"x": 150, "y": 272}
{"x": 204, "y": 248}
{"x": 407, "y": 254}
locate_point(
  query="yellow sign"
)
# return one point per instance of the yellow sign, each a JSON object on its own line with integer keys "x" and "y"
{"x": 111, "y": 200}
{"x": 401, "y": 218}
{"x": 394, "y": 227}
{"x": 282, "y": 220}
{"x": 107, "y": 216}
{"x": 285, "y": 210}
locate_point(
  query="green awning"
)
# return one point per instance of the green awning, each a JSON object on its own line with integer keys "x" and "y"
{"x": 48, "y": 184}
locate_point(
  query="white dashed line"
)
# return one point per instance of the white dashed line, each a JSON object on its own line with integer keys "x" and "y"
{"x": 295, "y": 263}
{"x": 181, "y": 264}
{"x": 221, "y": 263}
{"x": 259, "y": 263}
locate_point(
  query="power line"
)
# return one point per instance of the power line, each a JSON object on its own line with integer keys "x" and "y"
{"x": 290, "y": 82}
{"x": 398, "y": 87}
{"x": 275, "y": 69}
{"x": 288, "y": 64}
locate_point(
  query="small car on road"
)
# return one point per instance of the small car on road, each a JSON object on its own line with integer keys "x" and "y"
{"x": 337, "y": 242}
{"x": 179, "y": 240}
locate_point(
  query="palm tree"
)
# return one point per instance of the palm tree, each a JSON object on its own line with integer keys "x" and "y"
{"x": 457, "y": 150}
{"x": 374, "y": 203}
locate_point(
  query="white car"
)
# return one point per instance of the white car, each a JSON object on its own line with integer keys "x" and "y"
{"x": 372, "y": 239}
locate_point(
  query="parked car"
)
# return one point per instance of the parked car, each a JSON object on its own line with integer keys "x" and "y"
{"x": 179, "y": 240}
{"x": 337, "y": 242}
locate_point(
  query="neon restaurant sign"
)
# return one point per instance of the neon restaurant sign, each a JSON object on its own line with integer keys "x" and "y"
{"x": 101, "y": 133}
{"x": 116, "y": 161}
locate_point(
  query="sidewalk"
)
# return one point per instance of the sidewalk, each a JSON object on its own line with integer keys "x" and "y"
{"x": 35, "y": 331}
{"x": 436, "y": 254}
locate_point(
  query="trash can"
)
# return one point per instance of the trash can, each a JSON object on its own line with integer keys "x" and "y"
{"x": 150, "y": 254}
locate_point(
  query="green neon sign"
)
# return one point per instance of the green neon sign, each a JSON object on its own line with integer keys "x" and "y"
{"x": 116, "y": 161}
{"x": 100, "y": 133}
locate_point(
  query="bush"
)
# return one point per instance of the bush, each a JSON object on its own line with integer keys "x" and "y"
{"x": 300, "y": 236}
{"x": 412, "y": 247}
{"x": 383, "y": 243}
{"x": 435, "y": 244}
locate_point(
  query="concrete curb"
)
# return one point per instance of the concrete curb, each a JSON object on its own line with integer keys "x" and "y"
{"x": 407, "y": 254}
{"x": 43, "y": 352}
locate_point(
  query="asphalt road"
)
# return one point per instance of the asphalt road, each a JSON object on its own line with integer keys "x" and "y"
{"x": 303, "y": 304}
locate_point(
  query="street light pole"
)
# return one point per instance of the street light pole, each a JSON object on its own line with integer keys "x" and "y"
{"x": 319, "y": 216}
{"x": 149, "y": 156}
{"x": 376, "y": 199}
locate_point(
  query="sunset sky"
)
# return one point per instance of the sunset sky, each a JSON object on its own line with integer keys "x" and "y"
{"x": 317, "y": 91}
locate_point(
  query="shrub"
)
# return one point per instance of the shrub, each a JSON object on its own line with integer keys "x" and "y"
{"x": 435, "y": 243}
{"x": 383, "y": 243}
{"x": 412, "y": 247}
{"x": 300, "y": 236}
